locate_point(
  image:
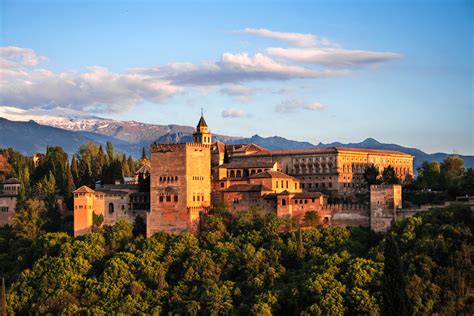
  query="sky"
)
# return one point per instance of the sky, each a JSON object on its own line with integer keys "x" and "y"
{"x": 318, "y": 71}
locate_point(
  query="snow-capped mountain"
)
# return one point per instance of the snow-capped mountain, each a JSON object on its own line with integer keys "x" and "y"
{"x": 129, "y": 131}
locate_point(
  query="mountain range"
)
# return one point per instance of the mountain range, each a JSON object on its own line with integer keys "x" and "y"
{"x": 130, "y": 137}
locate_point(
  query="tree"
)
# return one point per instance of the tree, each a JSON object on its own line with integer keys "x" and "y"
{"x": 311, "y": 218}
{"x": 101, "y": 161}
{"x": 139, "y": 226}
{"x": 125, "y": 167}
{"x": 371, "y": 175}
{"x": 97, "y": 220}
{"x": 429, "y": 175}
{"x": 110, "y": 152}
{"x": 4, "y": 298}
{"x": 393, "y": 287}
{"x": 131, "y": 166}
{"x": 85, "y": 177}
{"x": 389, "y": 176}
{"x": 144, "y": 157}
{"x": 75, "y": 171}
{"x": 300, "y": 246}
{"x": 118, "y": 172}
{"x": 28, "y": 220}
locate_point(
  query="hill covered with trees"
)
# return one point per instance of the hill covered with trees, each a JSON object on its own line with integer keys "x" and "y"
{"x": 246, "y": 264}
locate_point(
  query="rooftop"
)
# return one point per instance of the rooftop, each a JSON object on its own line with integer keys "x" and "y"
{"x": 271, "y": 174}
{"x": 327, "y": 150}
{"x": 247, "y": 188}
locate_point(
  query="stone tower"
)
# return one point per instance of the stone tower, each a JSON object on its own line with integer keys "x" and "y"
{"x": 180, "y": 183}
{"x": 385, "y": 202}
{"x": 202, "y": 134}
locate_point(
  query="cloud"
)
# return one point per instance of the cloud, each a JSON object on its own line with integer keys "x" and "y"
{"x": 233, "y": 113}
{"x": 231, "y": 68}
{"x": 25, "y": 56}
{"x": 297, "y": 39}
{"x": 239, "y": 92}
{"x": 333, "y": 56}
{"x": 294, "y": 105}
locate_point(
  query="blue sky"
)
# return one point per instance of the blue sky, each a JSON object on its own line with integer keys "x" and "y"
{"x": 318, "y": 71}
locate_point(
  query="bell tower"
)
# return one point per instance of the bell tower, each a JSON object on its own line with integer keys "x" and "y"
{"x": 202, "y": 134}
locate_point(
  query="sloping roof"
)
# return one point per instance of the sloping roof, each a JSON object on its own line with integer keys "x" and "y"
{"x": 202, "y": 122}
{"x": 84, "y": 189}
{"x": 247, "y": 188}
{"x": 271, "y": 174}
{"x": 307, "y": 195}
{"x": 218, "y": 146}
{"x": 107, "y": 191}
{"x": 247, "y": 147}
{"x": 12, "y": 181}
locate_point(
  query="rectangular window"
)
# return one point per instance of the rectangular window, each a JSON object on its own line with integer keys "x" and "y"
{"x": 168, "y": 198}
{"x": 161, "y": 199}
{"x": 176, "y": 198}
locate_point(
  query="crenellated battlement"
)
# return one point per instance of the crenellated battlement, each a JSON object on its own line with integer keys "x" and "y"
{"x": 157, "y": 148}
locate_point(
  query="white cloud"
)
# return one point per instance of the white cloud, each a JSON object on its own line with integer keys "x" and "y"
{"x": 333, "y": 56}
{"x": 294, "y": 105}
{"x": 298, "y": 39}
{"x": 233, "y": 113}
{"x": 239, "y": 92}
{"x": 25, "y": 56}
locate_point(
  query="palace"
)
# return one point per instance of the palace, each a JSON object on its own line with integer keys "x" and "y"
{"x": 187, "y": 179}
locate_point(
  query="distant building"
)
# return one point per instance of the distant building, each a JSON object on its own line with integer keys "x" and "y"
{"x": 8, "y": 198}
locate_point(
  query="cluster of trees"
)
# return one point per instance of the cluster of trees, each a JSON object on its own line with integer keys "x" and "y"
{"x": 450, "y": 176}
{"x": 56, "y": 177}
{"x": 91, "y": 163}
{"x": 373, "y": 176}
{"x": 246, "y": 264}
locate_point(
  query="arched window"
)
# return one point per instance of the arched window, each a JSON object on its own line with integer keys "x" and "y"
{"x": 111, "y": 208}
{"x": 283, "y": 202}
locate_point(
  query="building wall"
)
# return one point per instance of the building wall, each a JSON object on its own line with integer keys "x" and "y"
{"x": 180, "y": 180}
{"x": 385, "y": 202}
{"x": 7, "y": 209}
{"x": 83, "y": 208}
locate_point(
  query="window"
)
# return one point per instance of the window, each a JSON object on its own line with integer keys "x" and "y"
{"x": 4, "y": 209}
{"x": 176, "y": 198}
{"x": 305, "y": 201}
{"x": 287, "y": 184}
{"x": 123, "y": 207}
{"x": 222, "y": 184}
{"x": 168, "y": 198}
{"x": 111, "y": 208}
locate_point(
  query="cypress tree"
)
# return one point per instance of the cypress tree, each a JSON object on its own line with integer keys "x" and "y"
{"x": 75, "y": 171}
{"x": 110, "y": 153}
{"x": 144, "y": 157}
{"x": 100, "y": 162}
{"x": 131, "y": 165}
{"x": 125, "y": 168}
{"x": 395, "y": 301}
{"x": 4, "y": 298}
{"x": 117, "y": 171}
{"x": 300, "y": 246}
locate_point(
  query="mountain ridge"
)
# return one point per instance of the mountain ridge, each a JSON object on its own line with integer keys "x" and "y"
{"x": 31, "y": 137}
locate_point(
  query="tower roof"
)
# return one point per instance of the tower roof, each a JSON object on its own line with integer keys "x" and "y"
{"x": 202, "y": 122}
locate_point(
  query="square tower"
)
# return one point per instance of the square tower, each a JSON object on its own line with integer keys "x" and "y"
{"x": 385, "y": 201}
{"x": 180, "y": 187}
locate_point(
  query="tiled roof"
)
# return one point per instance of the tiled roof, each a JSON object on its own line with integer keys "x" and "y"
{"x": 202, "y": 122}
{"x": 84, "y": 189}
{"x": 107, "y": 191}
{"x": 271, "y": 174}
{"x": 12, "y": 181}
{"x": 146, "y": 168}
{"x": 247, "y": 188}
{"x": 307, "y": 195}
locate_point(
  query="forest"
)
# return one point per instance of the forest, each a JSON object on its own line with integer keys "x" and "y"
{"x": 246, "y": 263}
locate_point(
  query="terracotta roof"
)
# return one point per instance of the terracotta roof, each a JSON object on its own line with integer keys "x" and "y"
{"x": 271, "y": 174}
{"x": 247, "y": 188}
{"x": 12, "y": 181}
{"x": 202, "y": 122}
{"x": 327, "y": 150}
{"x": 307, "y": 195}
{"x": 218, "y": 146}
{"x": 261, "y": 163}
{"x": 247, "y": 147}
{"x": 84, "y": 189}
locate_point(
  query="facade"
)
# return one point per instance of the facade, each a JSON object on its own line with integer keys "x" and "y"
{"x": 8, "y": 198}
{"x": 113, "y": 202}
{"x": 186, "y": 179}
{"x": 180, "y": 183}
{"x": 333, "y": 170}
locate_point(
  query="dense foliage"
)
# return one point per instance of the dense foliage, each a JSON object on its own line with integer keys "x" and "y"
{"x": 245, "y": 264}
